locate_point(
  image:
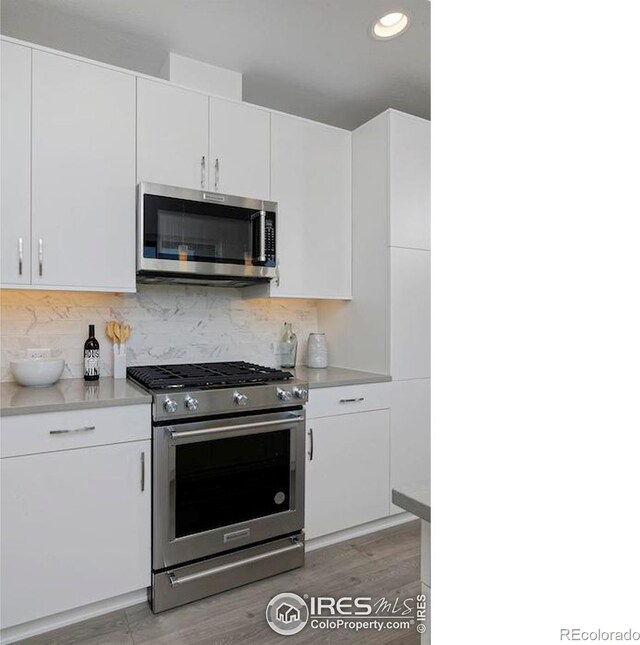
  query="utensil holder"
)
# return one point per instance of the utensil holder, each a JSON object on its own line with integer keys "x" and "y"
{"x": 119, "y": 362}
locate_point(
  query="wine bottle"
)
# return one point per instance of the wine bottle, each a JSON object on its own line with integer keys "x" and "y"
{"x": 288, "y": 347}
{"x": 91, "y": 356}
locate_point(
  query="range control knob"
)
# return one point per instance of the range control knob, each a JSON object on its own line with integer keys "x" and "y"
{"x": 240, "y": 399}
{"x": 170, "y": 405}
{"x": 190, "y": 403}
{"x": 284, "y": 395}
{"x": 300, "y": 393}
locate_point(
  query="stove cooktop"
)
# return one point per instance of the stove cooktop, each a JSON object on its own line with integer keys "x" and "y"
{"x": 195, "y": 376}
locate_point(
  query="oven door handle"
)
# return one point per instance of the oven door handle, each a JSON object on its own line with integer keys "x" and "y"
{"x": 176, "y": 434}
{"x": 175, "y": 580}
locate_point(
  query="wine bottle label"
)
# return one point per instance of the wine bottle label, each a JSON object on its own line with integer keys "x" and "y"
{"x": 91, "y": 362}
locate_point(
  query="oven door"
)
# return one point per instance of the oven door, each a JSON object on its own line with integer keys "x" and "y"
{"x": 227, "y": 483}
{"x": 197, "y": 234}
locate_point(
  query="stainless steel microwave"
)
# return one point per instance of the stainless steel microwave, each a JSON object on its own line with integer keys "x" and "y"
{"x": 197, "y": 237}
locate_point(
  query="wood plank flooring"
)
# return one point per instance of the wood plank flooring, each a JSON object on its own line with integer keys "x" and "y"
{"x": 383, "y": 564}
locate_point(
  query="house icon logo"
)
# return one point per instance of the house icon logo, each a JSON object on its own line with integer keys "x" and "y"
{"x": 287, "y": 614}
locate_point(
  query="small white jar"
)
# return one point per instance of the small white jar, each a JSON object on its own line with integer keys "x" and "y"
{"x": 317, "y": 352}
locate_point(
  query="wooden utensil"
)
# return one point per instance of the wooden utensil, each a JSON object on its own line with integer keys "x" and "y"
{"x": 110, "y": 333}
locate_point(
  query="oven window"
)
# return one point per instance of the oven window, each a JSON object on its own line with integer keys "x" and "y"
{"x": 224, "y": 481}
{"x": 187, "y": 231}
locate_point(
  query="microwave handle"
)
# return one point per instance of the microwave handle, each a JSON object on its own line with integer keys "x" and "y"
{"x": 261, "y": 256}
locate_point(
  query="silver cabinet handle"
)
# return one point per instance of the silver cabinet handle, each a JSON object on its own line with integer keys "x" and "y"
{"x": 203, "y": 172}
{"x": 216, "y": 180}
{"x": 70, "y": 430}
{"x": 19, "y": 256}
{"x": 354, "y": 400}
{"x": 40, "y": 256}
{"x": 277, "y": 273}
{"x": 178, "y": 580}
{"x": 142, "y": 471}
{"x": 310, "y": 444}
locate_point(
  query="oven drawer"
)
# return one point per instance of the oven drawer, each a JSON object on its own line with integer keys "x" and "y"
{"x": 328, "y": 401}
{"x": 52, "y": 431}
{"x": 181, "y": 585}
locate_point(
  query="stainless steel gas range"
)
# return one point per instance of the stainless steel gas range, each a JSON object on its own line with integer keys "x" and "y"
{"x": 227, "y": 476}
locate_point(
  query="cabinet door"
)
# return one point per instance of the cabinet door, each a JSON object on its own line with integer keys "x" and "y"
{"x": 83, "y": 175}
{"x": 15, "y": 164}
{"x": 76, "y": 528}
{"x": 173, "y": 135}
{"x": 240, "y": 149}
{"x": 311, "y": 181}
{"x": 347, "y": 471}
{"x": 410, "y": 181}
{"x": 410, "y": 313}
{"x": 410, "y": 433}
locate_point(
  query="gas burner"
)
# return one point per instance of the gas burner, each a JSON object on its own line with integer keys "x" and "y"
{"x": 205, "y": 375}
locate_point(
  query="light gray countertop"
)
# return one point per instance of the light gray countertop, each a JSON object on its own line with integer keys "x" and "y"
{"x": 415, "y": 498}
{"x": 69, "y": 394}
{"x": 75, "y": 394}
{"x": 335, "y": 376}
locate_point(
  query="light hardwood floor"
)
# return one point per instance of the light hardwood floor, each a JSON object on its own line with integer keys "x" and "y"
{"x": 383, "y": 564}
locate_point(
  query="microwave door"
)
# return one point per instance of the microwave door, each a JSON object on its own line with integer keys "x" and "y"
{"x": 180, "y": 233}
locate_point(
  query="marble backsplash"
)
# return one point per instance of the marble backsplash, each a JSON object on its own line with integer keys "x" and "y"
{"x": 171, "y": 324}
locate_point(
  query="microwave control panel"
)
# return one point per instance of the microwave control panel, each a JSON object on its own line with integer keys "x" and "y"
{"x": 270, "y": 241}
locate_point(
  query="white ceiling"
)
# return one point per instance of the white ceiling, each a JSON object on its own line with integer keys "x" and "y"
{"x": 314, "y": 58}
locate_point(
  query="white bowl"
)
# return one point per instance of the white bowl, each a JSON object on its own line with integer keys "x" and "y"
{"x": 37, "y": 372}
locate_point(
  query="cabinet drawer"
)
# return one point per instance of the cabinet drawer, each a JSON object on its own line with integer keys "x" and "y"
{"x": 325, "y": 402}
{"x": 51, "y": 431}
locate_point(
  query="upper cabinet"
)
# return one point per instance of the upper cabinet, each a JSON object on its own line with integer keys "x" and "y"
{"x": 410, "y": 313}
{"x": 173, "y": 135}
{"x": 311, "y": 183}
{"x": 83, "y": 175}
{"x": 239, "y": 149}
{"x": 409, "y": 181}
{"x": 78, "y": 136}
{"x": 15, "y": 165}
{"x": 386, "y": 327}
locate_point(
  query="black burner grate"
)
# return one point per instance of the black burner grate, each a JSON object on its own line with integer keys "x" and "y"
{"x": 204, "y": 375}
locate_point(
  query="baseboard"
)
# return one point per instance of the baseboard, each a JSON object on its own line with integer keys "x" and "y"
{"x": 359, "y": 531}
{"x": 42, "y": 625}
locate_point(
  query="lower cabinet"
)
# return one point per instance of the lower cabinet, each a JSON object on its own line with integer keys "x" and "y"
{"x": 76, "y": 528}
{"x": 347, "y": 471}
{"x": 410, "y": 433}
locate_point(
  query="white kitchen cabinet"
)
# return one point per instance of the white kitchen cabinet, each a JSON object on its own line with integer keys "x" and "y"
{"x": 26, "y": 434}
{"x": 347, "y": 399}
{"x": 239, "y": 149}
{"x": 409, "y": 181}
{"x": 386, "y": 326}
{"x": 347, "y": 471}
{"x": 311, "y": 182}
{"x": 83, "y": 176}
{"x": 76, "y": 528}
{"x": 15, "y": 164}
{"x": 173, "y": 135}
{"x": 410, "y": 313}
{"x": 410, "y": 433}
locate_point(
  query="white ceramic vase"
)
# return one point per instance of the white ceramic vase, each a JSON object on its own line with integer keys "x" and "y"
{"x": 317, "y": 352}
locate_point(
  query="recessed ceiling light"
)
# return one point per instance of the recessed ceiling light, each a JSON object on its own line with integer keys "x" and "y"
{"x": 390, "y": 25}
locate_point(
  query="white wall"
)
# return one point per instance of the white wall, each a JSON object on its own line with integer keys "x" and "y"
{"x": 171, "y": 324}
{"x": 202, "y": 76}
